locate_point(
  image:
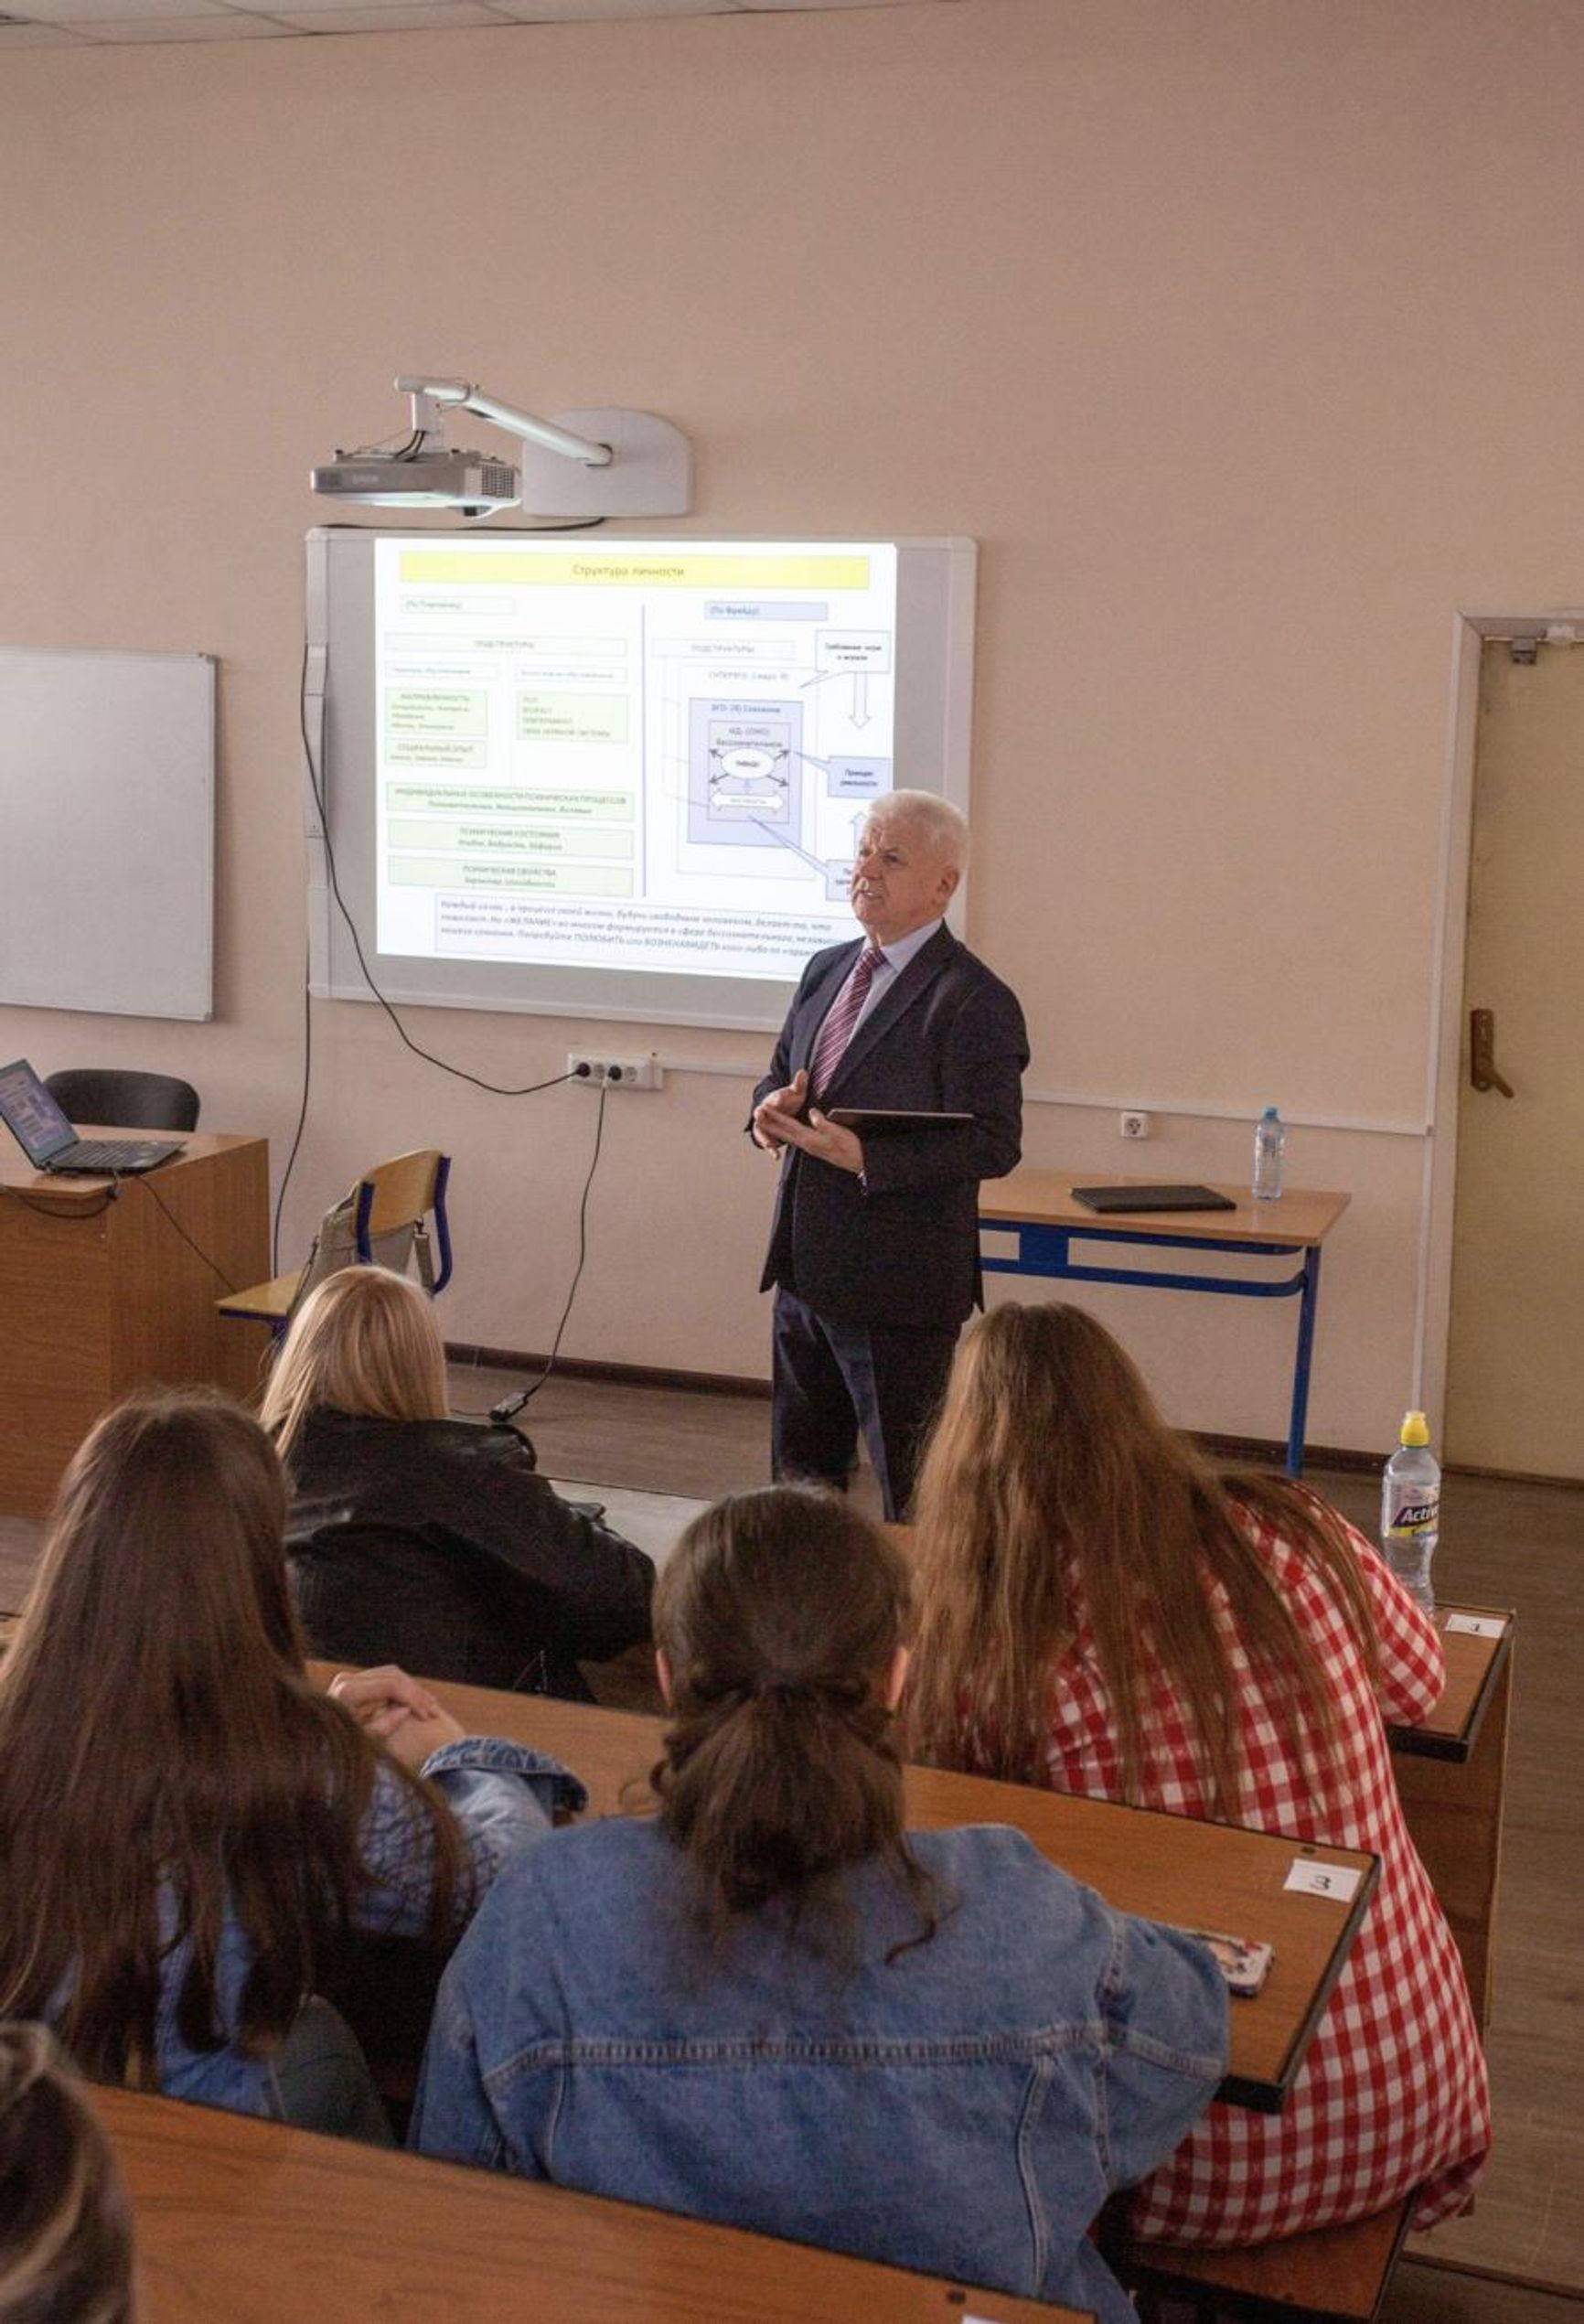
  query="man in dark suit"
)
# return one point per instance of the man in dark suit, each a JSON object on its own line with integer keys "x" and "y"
{"x": 875, "y": 1249}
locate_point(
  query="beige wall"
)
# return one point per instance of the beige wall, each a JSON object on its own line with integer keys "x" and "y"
{"x": 1246, "y": 340}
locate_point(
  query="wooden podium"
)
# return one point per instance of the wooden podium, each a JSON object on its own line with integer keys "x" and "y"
{"x": 100, "y": 1292}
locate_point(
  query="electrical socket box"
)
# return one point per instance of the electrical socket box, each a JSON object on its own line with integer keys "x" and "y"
{"x": 1133, "y": 1124}
{"x": 615, "y": 1072}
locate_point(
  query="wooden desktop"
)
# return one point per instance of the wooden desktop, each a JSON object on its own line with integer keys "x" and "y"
{"x": 1451, "y": 1774}
{"x": 1168, "y": 1868}
{"x": 1038, "y": 1213}
{"x": 239, "y": 2221}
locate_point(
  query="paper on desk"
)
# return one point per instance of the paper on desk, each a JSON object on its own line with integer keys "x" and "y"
{"x": 1477, "y": 1625}
{"x": 1338, "y": 1881}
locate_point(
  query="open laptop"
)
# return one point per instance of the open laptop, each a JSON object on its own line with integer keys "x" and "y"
{"x": 49, "y": 1142}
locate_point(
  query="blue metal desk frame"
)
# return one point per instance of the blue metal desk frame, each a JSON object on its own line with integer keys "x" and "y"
{"x": 1045, "y": 1248}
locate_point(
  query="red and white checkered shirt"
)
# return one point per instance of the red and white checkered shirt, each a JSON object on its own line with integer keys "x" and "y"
{"x": 1392, "y": 2093}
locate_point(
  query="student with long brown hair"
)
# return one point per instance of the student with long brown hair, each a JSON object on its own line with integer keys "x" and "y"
{"x": 66, "y": 2249}
{"x": 445, "y": 1550}
{"x": 1102, "y": 1612}
{"x": 189, "y": 1829}
{"x": 773, "y": 2005}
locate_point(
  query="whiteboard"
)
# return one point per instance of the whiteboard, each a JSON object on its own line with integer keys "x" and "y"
{"x": 107, "y": 786}
{"x": 347, "y": 721}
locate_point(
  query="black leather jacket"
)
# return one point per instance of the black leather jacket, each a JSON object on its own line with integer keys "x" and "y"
{"x": 453, "y": 1559}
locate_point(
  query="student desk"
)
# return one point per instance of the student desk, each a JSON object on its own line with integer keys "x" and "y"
{"x": 1199, "y": 1875}
{"x": 103, "y": 1293}
{"x": 1452, "y": 1776}
{"x": 241, "y": 2222}
{"x": 1036, "y": 1207}
{"x": 1478, "y": 1644}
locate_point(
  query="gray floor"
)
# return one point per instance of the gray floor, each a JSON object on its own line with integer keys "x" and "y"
{"x": 1424, "y": 2292}
{"x": 648, "y": 1453}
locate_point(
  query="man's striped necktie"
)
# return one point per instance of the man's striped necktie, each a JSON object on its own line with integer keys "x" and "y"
{"x": 837, "y": 1031}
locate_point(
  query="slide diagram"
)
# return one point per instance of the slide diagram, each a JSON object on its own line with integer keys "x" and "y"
{"x": 751, "y": 780}
{"x": 746, "y": 771}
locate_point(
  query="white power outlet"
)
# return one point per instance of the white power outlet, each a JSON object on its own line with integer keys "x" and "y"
{"x": 615, "y": 1072}
{"x": 1133, "y": 1125}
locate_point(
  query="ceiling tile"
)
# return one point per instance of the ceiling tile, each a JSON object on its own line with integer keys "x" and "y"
{"x": 92, "y": 14}
{"x": 290, "y": 11}
{"x": 110, "y": 23}
{"x": 392, "y": 15}
{"x": 226, "y": 24}
{"x": 602, "y": 11}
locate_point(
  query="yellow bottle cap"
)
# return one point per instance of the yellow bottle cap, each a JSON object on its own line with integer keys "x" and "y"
{"x": 1416, "y": 1428}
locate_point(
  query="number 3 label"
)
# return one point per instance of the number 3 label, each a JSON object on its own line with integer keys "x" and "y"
{"x": 1336, "y": 1881}
{"x": 1477, "y": 1625}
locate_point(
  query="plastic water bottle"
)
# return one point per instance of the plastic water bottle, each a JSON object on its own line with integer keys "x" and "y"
{"x": 1410, "y": 1509}
{"x": 1269, "y": 1147}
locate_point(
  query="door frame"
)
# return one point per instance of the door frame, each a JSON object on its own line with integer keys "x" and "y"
{"x": 1472, "y": 631}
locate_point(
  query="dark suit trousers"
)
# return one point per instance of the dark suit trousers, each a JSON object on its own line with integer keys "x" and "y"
{"x": 830, "y": 1381}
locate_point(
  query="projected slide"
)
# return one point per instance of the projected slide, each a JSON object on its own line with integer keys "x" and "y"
{"x": 652, "y": 757}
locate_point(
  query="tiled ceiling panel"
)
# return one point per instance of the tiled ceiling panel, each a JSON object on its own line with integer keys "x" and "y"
{"x": 33, "y": 24}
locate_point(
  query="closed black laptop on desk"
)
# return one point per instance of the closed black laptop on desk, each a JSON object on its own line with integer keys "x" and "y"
{"x": 49, "y": 1142}
{"x": 1131, "y": 1198}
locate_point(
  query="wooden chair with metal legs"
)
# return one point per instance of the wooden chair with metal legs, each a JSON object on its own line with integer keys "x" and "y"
{"x": 381, "y": 1221}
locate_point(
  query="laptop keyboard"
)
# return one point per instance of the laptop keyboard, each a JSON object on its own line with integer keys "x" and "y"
{"x": 116, "y": 1154}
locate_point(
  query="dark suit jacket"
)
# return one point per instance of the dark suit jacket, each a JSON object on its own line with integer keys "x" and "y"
{"x": 946, "y": 1036}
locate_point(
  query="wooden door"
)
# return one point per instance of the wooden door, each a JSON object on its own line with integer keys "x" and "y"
{"x": 1515, "y": 1374}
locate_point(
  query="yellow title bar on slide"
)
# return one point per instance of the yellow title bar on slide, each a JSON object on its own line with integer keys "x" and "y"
{"x": 567, "y": 568}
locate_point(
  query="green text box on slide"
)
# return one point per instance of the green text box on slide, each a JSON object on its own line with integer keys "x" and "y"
{"x": 581, "y": 839}
{"x": 501, "y": 798}
{"x": 573, "y": 718}
{"x": 435, "y": 709}
{"x": 437, "y": 750}
{"x": 544, "y": 878}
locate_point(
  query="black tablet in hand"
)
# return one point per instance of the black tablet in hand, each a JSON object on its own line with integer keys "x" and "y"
{"x": 872, "y": 1120}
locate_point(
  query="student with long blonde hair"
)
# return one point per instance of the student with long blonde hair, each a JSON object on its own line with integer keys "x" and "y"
{"x": 189, "y": 1830}
{"x": 443, "y": 1549}
{"x": 773, "y": 2005}
{"x": 1102, "y": 1612}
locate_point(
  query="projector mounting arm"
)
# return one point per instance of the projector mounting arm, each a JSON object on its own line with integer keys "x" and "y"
{"x": 431, "y": 398}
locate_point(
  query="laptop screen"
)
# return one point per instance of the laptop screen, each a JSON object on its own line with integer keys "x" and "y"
{"x": 40, "y": 1129}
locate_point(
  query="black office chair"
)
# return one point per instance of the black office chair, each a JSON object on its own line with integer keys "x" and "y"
{"x": 125, "y": 1100}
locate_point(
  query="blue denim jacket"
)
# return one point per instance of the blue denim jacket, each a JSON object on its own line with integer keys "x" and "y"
{"x": 964, "y": 2109}
{"x": 501, "y": 1794}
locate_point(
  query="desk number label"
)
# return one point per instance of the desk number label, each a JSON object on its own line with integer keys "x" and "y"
{"x": 1476, "y": 1625}
{"x": 1337, "y": 1882}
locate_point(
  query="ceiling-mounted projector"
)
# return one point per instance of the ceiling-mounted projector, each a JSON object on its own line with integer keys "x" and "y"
{"x": 470, "y": 481}
{"x": 629, "y": 463}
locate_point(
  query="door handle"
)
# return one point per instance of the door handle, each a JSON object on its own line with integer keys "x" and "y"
{"x": 1483, "y": 1070}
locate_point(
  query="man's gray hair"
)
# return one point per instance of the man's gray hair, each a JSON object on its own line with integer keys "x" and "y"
{"x": 942, "y": 826}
